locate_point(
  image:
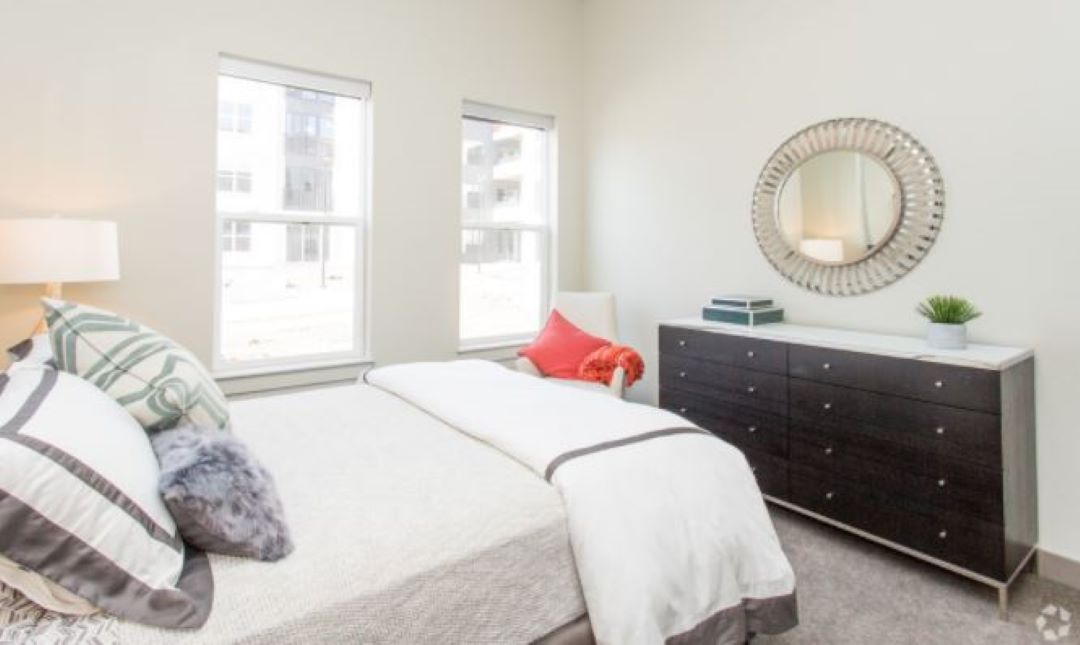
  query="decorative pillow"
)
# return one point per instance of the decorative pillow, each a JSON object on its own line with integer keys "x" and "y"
{"x": 223, "y": 500}
{"x": 560, "y": 347}
{"x": 79, "y": 504}
{"x": 32, "y": 352}
{"x": 159, "y": 382}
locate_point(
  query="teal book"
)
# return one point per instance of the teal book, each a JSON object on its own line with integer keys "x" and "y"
{"x": 743, "y": 302}
{"x": 742, "y": 316}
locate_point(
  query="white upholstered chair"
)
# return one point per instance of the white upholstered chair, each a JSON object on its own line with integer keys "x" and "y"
{"x": 593, "y": 312}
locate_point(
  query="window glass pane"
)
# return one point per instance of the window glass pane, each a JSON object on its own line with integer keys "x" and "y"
{"x": 274, "y": 307}
{"x": 226, "y": 113}
{"x": 301, "y": 149}
{"x": 227, "y": 236}
{"x": 243, "y": 118}
{"x": 506, "y": 167}
{"x": 501, "y": 282}
{"x": 243, "y": 182}
{"x": 224, "y": 181}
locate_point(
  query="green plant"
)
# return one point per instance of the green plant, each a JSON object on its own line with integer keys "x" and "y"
{"x": 948, "y": 310}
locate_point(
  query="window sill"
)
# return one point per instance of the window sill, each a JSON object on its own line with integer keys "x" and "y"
{"x": 498, "y": 350}
{"x": 272, "y": 378}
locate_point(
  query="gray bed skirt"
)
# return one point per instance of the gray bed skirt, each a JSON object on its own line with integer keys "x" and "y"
{"x": 734, "y": 625}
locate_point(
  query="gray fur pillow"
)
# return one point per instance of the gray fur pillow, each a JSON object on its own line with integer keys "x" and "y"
{"x": 222, "y": 499}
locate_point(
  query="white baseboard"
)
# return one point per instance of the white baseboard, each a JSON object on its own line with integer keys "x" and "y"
{"x": 1059, "y": 569}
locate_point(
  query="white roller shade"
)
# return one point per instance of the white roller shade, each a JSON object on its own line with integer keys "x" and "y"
{"x": 242, "y": 68}
{"x": 497, "y": 114}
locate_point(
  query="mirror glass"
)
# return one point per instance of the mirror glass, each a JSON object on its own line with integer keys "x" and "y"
{"x": 838, "y": 207}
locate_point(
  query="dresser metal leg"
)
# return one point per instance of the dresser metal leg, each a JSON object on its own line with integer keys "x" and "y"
{"x": 1003, "y": 603}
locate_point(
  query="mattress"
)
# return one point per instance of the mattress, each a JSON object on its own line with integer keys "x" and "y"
{"x": 406, "y": 531}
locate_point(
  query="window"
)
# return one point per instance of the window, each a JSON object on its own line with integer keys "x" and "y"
{"x": 306, "y": 244}
{"x": 236, "y": 237}
{"x": 234, "y": 117}
{"x": 291, "y": 287}
{"x": 506, "y": 225}
{"x": 233, "y": 181}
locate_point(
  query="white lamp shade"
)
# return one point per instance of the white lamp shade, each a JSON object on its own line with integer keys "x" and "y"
{"x": 57, "y": 250}
{"x": 824, "y": 249}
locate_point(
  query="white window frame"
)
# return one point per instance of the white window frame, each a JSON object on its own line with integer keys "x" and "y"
{"x": 292, "y": 77}
{"x": 545, "y": 230}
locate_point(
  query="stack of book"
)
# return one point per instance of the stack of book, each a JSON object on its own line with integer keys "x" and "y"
{"x": 742, "y": 310}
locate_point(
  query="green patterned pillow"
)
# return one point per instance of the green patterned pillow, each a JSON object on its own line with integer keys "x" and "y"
{"x": 159, "y": 382}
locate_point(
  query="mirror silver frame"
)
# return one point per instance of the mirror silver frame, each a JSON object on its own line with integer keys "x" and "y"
{"x": 922, "y": 206}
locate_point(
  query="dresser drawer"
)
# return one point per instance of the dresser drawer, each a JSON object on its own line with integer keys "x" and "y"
{"x": 925, "y": 427}
{"x": 952, "y": 537}
{"x": 771, "y": 473}
{"x": 738, "y": 351}
{"x": 963, "y": 387}
{"x": 745, "y": 387}
{"x": 744, "y": 428}
{"x": 947, "y": 485}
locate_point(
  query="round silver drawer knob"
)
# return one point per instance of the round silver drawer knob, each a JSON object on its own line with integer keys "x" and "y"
{"x": 750, "y": 354}
{"x": 829, "y": 495}
{"x": 751, "y": 389}
{"x": 682, "y": 374}
{"x": 942, "y": 534}
{"x": 828, "y": 451}
{"x": 682, "y": 343}
{"x": 826, "y": 366}
{"x": 940, "y": 430}
{"x": 752, "y": 429}
{"x": 939, "y": 384}
{"x": 941, "y": 483}
{"x": 682, "y": 410}
{"x": 826, "y": 406}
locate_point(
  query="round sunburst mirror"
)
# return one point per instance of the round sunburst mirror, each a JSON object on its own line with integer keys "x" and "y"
{"x": 848, "y": 206}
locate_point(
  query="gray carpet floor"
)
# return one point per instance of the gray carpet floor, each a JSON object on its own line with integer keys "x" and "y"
{"x": 853, "y": 591}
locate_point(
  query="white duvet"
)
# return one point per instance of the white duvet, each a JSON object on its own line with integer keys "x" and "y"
{"x": 669, "y": 531}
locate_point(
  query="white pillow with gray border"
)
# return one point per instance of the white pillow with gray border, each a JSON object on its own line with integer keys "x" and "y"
{"x": 32, "y": 352}
{"x": 79, "y": 504}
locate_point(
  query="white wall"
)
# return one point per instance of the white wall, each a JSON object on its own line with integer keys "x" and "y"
{"x": 685, "y": 101}
{"x": 108, "y": 110}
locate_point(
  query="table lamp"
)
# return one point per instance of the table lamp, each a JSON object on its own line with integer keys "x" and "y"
{"x": 54, "y": 250}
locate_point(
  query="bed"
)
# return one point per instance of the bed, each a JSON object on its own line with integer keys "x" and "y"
{"x": 394, "y": 545}
{"x": 461, "y": 502}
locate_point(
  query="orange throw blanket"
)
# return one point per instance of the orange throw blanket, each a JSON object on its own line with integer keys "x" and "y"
{"x": 600, "y": 365}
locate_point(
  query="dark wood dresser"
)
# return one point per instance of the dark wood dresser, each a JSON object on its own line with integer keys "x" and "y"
{"x": 930, "y": 452}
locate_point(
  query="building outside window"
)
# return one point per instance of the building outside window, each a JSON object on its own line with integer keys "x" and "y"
{"x": 506, "y": 220}
{"x": 233, "y": 181}
{"x": 293, "y": 221}
{"x": 307, "y": 243}
{"x": 234, "y": 117}
{"x": 236, "y": 237}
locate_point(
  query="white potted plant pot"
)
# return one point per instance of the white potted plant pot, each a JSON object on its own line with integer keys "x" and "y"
{"x": 946, "y": 336}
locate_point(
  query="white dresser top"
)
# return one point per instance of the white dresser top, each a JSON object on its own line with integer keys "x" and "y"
{"x": 994, "y": 357}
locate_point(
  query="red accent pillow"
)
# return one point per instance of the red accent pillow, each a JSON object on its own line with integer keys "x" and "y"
{"x": 560, "y": 347}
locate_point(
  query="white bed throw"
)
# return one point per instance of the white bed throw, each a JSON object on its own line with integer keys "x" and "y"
{"x": 669, "y": 532}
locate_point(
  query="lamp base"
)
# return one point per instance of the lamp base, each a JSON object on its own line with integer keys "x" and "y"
{"x": 53, "y": 290}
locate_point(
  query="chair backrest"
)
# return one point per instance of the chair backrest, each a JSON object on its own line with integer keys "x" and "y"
{"x": 593, "y": 312}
